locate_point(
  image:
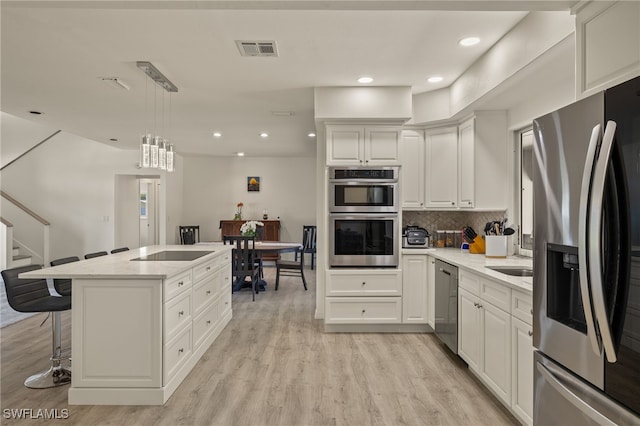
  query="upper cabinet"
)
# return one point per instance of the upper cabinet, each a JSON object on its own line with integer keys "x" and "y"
{"x": 412, "y": 172}
{"x": 607, "y": 45}
{"x": 355, "y": 145}
{"x": 441, "y": 167}
{"x": 463, "y": 167}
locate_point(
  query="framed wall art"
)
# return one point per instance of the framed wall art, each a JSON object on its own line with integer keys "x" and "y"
{"x": 253, "y": 183}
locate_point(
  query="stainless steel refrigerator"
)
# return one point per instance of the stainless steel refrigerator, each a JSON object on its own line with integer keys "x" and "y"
{"x": 586, "y": 286}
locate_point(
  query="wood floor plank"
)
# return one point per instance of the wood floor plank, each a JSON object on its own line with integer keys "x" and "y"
{"x": 274, "y": 365}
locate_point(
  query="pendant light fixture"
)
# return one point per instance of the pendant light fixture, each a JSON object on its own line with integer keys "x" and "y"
{"x": 155, "y": 151}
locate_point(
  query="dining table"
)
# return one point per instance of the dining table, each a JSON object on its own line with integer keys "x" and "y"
{"x": 261, "y": 248}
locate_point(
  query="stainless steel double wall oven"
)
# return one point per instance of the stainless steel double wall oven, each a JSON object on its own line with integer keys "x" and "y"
{"x": 363, "y": 217}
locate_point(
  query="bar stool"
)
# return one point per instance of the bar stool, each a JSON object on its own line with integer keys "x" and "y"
{"x": 32, "y": 295}
{"x": 96, "y": 254}
{"x": 63, "y": 285}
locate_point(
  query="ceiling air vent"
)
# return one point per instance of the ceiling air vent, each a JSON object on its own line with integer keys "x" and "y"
{"x": 257, "y": 48}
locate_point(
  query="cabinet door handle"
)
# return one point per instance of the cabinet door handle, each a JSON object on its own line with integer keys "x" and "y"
{"x": 181, "y": 350}
{"x": 364, "y": 283}
{"x": 208, "y": 268}
{"x": 208, "y": 322}
{"x": 479, "y": 306}
{"x": 180, "y": 313}
{"x": 453, "y": 203}
{"x": 475, "y": 304}
{"x": 363, "y": 311}
{"x": 180, "y": 283}
{"x": 530, "y": 333}
{"x": 208, "y": 291}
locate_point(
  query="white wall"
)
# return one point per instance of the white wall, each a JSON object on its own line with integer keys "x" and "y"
{"x": 387, "y": 103}
{"x": 213, "y": 186}
{"x": 70, "y": 181}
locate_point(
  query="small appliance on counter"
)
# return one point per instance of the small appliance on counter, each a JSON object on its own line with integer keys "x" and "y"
{"x": 415, "y": 237}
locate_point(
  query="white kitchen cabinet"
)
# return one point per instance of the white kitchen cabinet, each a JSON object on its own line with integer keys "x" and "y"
{"x": 469, "y": 328}
{"x": 607, "y": 45}
{"x": 482, "y": 168}
{"x": 350, "y": 145}
{"x": 441, "y": 174}
{"x": 137, "y": 337}
{"x": 363, "y": 310}
{"x": 415, "y": 288}
{"x": 466, "y": 164}
{"x": 495, "y": 339}
{"x": 496, "y": 350}
{"x": 412, "y": 172}
{"x": 522, "y": 370}
{"x": 431, "y": 292}
{"x": 485, "y": 335}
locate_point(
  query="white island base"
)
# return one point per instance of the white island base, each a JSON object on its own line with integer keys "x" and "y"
{"x": 139, "y": 327}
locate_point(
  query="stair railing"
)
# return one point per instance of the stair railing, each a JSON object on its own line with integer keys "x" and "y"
{"x": 45, "y": 229}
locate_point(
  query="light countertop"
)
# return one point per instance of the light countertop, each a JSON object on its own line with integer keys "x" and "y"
{"x": 120, "y": 265}
{"x": 479, "y": 263}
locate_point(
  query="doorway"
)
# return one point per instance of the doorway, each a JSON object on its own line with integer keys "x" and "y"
{"x": 137, "y": 201}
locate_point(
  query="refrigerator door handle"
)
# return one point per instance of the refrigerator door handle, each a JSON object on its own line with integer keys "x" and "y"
{"x": 595, "y": 241}
{"x": 585, "y": 193}
{"x": 553, "y": 376}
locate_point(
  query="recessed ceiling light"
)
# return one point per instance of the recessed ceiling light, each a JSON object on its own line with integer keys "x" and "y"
{"x": 217, "y": 134}
{"x": 434, "y": 79}
{"x": 469, "y": 41}
{"x": 312, "y": 135}
{"x": 35, "y": 112}
{"x": 240, "y": 154}
{"x": 264, "y": 135}
{"x": 365, "y": 80}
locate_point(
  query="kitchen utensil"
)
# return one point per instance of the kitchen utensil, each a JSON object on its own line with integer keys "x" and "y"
{"x": 509, "y": 231}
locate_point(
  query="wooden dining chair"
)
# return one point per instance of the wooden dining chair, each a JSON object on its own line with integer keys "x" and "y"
{"x": 309, "y": 243}
{"x": 293, "y": 268}
{"x": 243, "y": 262}
{"x": 189, "y": 234}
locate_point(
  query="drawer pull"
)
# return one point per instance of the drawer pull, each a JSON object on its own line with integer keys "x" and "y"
{"x": 180, "y": 313}
{"x": 208, "y": 322}
{"x": 530, "y": 333}
{"x": 208, "y": 291}
{"x": 475, "y": 304}
{"x": 181, "y": 350}
{"x": 180, "y": 283}
{"x": 364, "y": 283}
{"x": 363, "y": 311}
{"x": 479, "y": 306}
{"x": 208, "y": 268}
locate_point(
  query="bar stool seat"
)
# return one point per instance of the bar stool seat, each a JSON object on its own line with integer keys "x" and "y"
{"x": 32, "y": 295}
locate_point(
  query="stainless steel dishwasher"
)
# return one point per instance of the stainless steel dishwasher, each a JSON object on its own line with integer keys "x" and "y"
{"x": 447, "y": 304}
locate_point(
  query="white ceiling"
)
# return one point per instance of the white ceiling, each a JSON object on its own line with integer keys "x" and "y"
{"x": 53, "y": 53}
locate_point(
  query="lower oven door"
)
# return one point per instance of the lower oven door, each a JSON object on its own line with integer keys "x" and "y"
{"x": 363, "y": 240}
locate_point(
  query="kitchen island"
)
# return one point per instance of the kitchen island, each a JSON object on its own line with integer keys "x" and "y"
{"x": 141, "y": 319}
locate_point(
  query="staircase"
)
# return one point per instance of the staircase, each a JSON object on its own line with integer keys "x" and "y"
{"x": 20, "y": 259}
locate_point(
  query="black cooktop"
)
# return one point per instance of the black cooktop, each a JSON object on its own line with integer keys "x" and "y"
{"x": 174, "y": 255}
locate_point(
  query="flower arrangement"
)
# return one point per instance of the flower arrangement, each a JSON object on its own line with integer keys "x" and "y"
{"x": 248, "y": 229}
{"x": 238, "y": 215}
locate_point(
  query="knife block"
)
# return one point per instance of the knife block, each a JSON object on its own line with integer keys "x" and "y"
{"x": 477, "y": 246}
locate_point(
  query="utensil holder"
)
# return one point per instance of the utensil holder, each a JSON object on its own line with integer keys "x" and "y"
{"x": 496, "y": 246}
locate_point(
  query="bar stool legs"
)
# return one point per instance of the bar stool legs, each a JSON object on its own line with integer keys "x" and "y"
{"x": 55, "y": 375}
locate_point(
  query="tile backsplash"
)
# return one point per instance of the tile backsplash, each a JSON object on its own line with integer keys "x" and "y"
{"x": 450, "y": 220}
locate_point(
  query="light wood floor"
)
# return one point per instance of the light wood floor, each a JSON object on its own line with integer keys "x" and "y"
{"x": 274, "y": 365}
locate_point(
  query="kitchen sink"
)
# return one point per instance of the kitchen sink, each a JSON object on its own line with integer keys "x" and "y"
{"x": 517, "y": 271}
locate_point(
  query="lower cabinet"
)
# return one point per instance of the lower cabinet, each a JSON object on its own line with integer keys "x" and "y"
{"x": 522, "y": 370}
{"x": 495, "y": 340}
{"x": 363, "y": 296}
{"x": 155, "y": 331}
{"x": 414, "y": 288}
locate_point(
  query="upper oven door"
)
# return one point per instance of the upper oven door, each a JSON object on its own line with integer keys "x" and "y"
{"x": 365, "y": 197}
